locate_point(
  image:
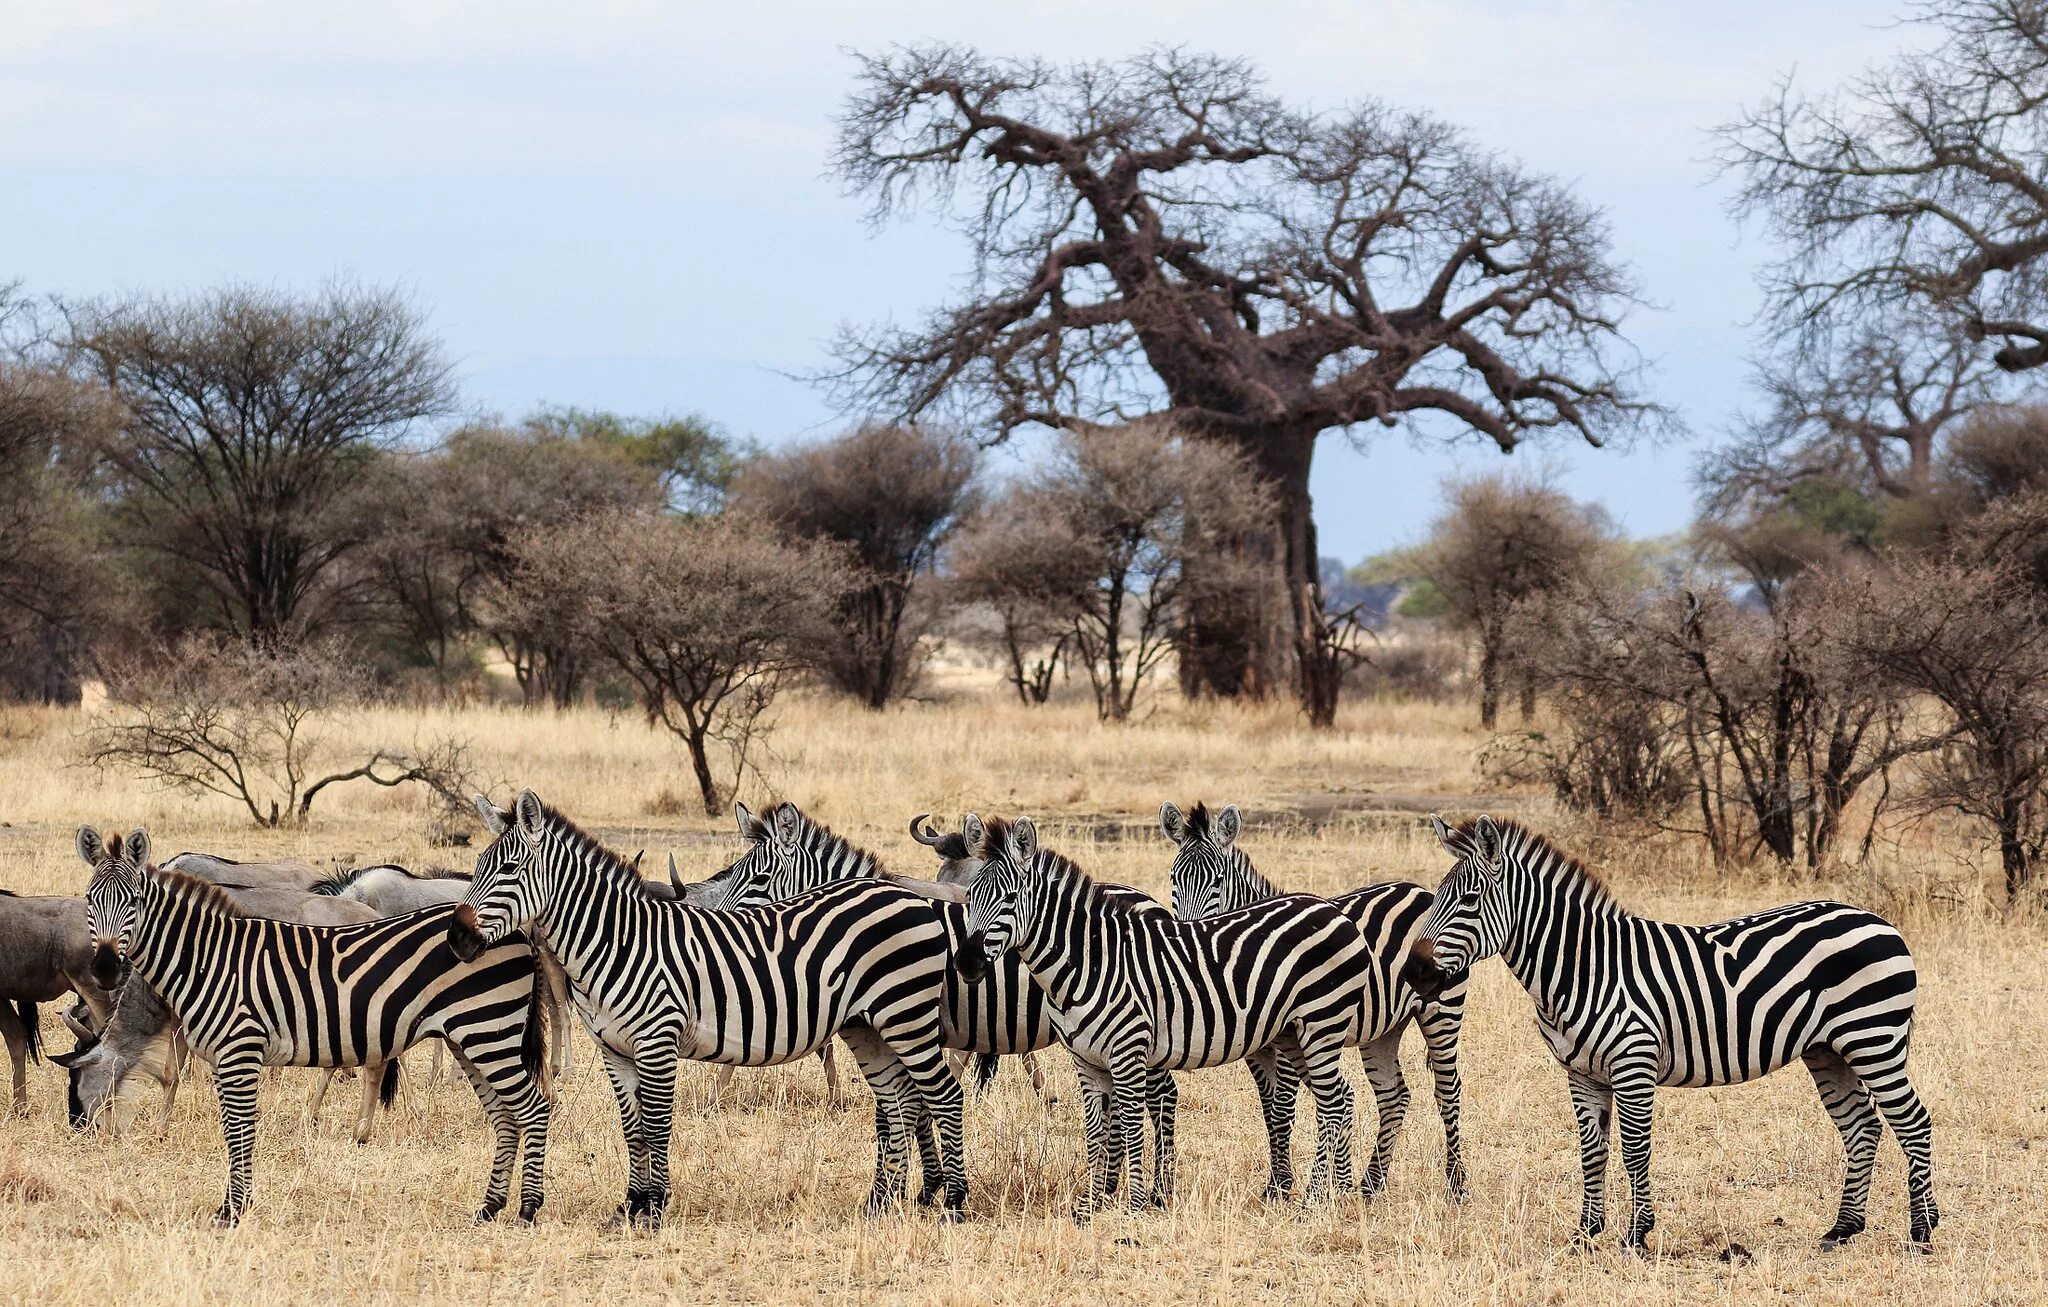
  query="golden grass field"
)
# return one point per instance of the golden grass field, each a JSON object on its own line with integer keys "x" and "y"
{"x": 767, "y": 1189}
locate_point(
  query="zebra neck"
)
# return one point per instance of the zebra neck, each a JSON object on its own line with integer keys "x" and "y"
{"x": 1062, "y": 932}
{"x": 161, "y": 951}
{"x": 589, "y": 918}
{"x": 1252, "y": 887}
{"x": 1555, "y": 917}
{"x": 832, "y": 860}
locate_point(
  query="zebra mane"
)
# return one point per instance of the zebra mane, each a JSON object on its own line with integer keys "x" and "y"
{"x": 1537, "y": 848}
{"x": 1198, "y": 820}
{"x": 834, "y": 843}
{"x": 191, "y": 889}
{"x": 584, "y": 842}
{"x": 1099, "y": 895}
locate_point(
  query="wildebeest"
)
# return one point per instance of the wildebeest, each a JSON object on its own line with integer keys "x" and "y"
{"x": 44, "y": 954}
{"x": 142, "y": 1041}
{"x": 287, "y": 873}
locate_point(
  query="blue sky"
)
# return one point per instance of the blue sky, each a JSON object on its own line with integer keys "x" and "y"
{"x": 625, "y": 205}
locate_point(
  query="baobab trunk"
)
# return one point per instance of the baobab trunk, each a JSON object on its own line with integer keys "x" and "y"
{"x": 1255, "y": 642}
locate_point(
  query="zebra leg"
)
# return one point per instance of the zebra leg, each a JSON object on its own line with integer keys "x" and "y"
{"x": 1336, "y": 1112}
{"x": 1277, "y": 1080}
{"x": 1162, "y": 1101}
{"x": 1441, "y": 1023}
{"x": 625, "y": 1077}
{"x": 1593, "y": 1105}
{"x": 235, "y": 1077}
{"x": 895, "y": 1116}
{"x": 1903, "y": 1111}
{"x": 1855, "y": 1116}
{"x": 1382, "y": 1061}
{"x": 1634, "y": 1107}
{"x": 1128, "y": 1088}
{"x": 504, "y": 1135}
{"x": 1103, "y": 1161}
{"x": 656, "y": 1057}
{"x": 938, "y": 1100}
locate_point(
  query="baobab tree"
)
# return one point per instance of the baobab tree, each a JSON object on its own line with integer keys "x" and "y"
{"x": 1162, "y": 236}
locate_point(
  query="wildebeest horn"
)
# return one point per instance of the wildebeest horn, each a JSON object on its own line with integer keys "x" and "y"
{"x": 675, "y": 876}
{"x": 929, "y": 836}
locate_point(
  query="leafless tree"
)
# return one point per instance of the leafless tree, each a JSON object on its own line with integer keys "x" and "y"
{"x": 1034, "y": 582}
{"x": 707, "y": 616}
{"x": 49, "y": 588}
{"x": 1971, "y": 632}
{"x": 1917, "y": 189}
{"x": 1501, "y": 543}
{"x": 893, "y": 494}
{"x": 250, "y": 723}
{"x": 438, "y": 534}
{"x": 1163, "y": 236}
{"x": 246, "y": 415}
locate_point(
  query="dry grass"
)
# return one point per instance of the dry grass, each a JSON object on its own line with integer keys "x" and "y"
{"x": 767, "y": 1189}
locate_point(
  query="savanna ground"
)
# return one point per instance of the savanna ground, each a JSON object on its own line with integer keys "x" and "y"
{"x": 767, "y": 1189}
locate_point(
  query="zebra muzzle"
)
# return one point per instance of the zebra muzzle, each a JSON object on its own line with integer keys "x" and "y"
{"x": 465, "y": 936}
{"x": 1421, "y": 972}
{"x": 972, "y": 961}
{"x": 106, "y": 964}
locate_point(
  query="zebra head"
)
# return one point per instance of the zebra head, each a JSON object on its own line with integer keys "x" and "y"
{"x": 1008, "y": 853}
{"x": 772, "y": 868}
{"x": 1206, "y": 858}
{"x": 1468, "y": 921}
{"x": 513, "y": 881}
{"x": 112, "y": 898}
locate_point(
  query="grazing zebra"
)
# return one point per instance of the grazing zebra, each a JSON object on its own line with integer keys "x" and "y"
{"x": 252, "y": 991}
{"x": 790, "y": 854}
{"x": 1211, "y": 875}
{"x": 1137, "y": 994}
{"x": 1628, "y": 1004}
{"x": 655, "y": 979}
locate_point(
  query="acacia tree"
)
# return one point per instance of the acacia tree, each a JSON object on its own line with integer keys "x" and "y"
{"x": 1032, "y": 579}
{"x": 893, "y": 494}
{"x": 1501, "y": 544}
{"x": 1919, "y": 189}
{"x": 706, "y": 616}
{"x": 1164, "y": 236}
{"x": 247, "y": 414}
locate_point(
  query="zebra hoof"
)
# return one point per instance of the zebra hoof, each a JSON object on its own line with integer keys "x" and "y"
{"x": 226, "y": 1217}
{"x": 1084, "y": 1217}
{"x": 928, "y": 1195}
{"x": 1842, "y": 1233}
{"x": 486, "y": 1214}
{"x": 952, "y": 1216}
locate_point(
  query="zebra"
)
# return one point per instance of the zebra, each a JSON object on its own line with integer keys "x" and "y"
{"x": 1627, "y": 1003}
{"x": 252, "y": 991}
{"x": 1137, "y": 995}
{"x": 654, "y": 979}
{"x": 789, "y": 853}
{"x": 1211, "y": 874}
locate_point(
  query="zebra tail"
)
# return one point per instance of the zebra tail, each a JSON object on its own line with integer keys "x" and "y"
{"x": 32, "y": 1022}
{"x": 533, "y": 1045}
{"x": 387, "y": 1091}
{"x": 985, "y": 1067}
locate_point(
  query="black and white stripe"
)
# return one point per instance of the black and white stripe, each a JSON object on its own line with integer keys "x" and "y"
{"x": 657, "y": 979}
{"x": 1137, "y": 995}
{"x": 1211, "y": 874}
{"x": 252, "y": 992}
{"x": 1628, "y": 1004}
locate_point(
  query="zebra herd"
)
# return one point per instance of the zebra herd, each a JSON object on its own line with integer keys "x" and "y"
{"x": 806, "y": 939}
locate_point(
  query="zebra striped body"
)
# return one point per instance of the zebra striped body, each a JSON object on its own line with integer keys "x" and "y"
{"x": 1212, "y": 875}
{"x": 1135, "y": 992}
{"x": 654, "y": 979}
{"x": 251, "y": 992}
{"x": 1627, "y": 1004}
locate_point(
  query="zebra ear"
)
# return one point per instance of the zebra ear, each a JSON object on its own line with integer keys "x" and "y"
{"x": 1486, "y": 844}
{"x": 91, "y": 848}
{"x": 1446, "y": 836}
{"x": 786, "y": 826}
{"x": 493, "y": 817}
{"x": 752, "y": 828}
{"x": 138, "y": 847}
{"x": 1173, "y": 823}
{"x": 1024, "y": 839}
{"x": 532, "y": 816}
{"x": 1228, "y": 823}
{"x": 976, "y": 835}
